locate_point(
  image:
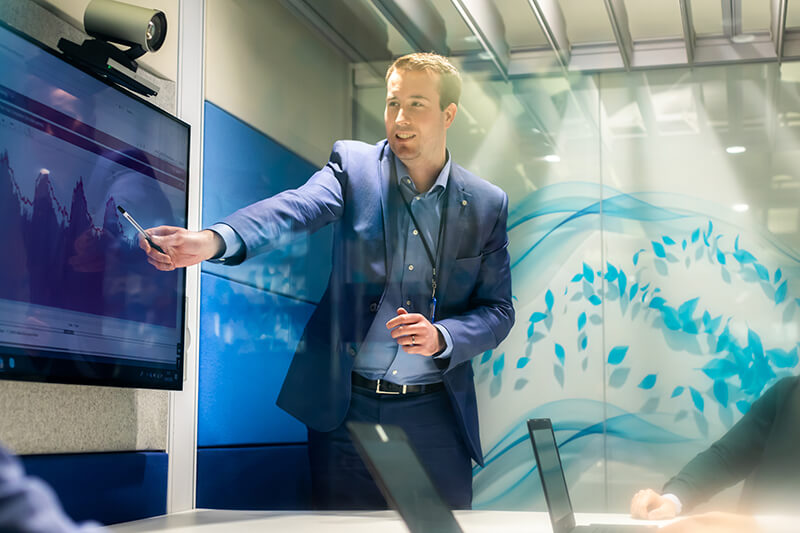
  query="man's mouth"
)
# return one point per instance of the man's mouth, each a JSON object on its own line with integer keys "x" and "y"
{"x": 404, "y": 136}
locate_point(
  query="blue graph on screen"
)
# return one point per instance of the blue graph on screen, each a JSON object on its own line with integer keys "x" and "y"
{"x": 58, "y": 256}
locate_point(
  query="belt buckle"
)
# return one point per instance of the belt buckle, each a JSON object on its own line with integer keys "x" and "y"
{"x": 379, "y": 391}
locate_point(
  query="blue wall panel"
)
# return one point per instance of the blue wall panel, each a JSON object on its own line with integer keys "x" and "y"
{"x": 107, "y": 487}
{"x": 264, "y": 477}
{"x": 247, "y": 339}
{"x": 241, "y": 165}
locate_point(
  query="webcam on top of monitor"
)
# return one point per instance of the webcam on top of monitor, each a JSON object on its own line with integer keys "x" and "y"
{"x": 109, "y": 21}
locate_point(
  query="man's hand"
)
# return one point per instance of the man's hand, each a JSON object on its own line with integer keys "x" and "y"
{"x": 415, "y": 334}
{"x": 650, "y": 505}
{"x": 183, "y": 247}
{"x": 714, "y": 523}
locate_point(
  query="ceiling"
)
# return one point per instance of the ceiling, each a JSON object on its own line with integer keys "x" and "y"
{"x": 512, "y": 38}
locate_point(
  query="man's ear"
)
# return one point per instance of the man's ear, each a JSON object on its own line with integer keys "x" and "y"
{"x": 450, "y": 114}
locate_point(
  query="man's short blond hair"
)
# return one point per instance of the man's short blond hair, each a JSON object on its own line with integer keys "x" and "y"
{"x": 449, "y": 77}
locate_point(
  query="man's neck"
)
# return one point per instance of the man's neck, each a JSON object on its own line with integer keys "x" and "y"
{"x": 424, "y": 176}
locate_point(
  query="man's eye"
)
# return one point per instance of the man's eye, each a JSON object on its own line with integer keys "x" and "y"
{"x": 416, "y": 104}
{"x": 392, "y": 104}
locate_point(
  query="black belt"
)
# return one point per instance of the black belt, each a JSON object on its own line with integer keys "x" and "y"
{"x": 379, "y": 386}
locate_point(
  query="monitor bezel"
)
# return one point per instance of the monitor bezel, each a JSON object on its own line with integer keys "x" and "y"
{"x": 107, "y": 373}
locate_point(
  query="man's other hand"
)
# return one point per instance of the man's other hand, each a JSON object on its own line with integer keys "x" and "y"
{"x": 182, "y": 247}
{"x": 415, "y": 334}
{"x": 650, "y": 505}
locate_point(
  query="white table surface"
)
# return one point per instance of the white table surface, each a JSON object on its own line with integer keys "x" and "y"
{"x": 214, "y": 521}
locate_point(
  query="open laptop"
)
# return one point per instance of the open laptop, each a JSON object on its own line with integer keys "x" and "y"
{"x": 554, "y": 485}
{"x": 401, "y": 478}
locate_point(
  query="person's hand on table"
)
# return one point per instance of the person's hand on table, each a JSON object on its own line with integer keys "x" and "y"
{"x": 650, "y": 505}
{"x": 715, "y": 522}
{"x": 415, "y": 334}
{"x": 183, "y": 247}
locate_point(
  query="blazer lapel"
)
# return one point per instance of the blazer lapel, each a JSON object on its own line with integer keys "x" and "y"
{"x": 457, "y": 202}
{"x": 384, "y": 174}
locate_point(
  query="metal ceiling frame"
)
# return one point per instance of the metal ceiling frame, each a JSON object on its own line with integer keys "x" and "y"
{"x": 689, "y": 35}
{"x": 551, "y": 20}
{"x": 485, "y": 23}
{"x": 618, "y": 16}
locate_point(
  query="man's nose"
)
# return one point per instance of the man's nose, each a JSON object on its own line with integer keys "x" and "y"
{"x": 401, "y": 117}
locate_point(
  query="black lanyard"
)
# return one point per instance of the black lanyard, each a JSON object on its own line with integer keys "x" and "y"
{"x": 434, "y": 259}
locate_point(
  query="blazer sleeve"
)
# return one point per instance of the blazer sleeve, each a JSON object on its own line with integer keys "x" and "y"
{"x": 273, "y": 222}
{"x": 27, "y": 504}
{"x": 733, "y": 457}
{"x": 491, "y": 313}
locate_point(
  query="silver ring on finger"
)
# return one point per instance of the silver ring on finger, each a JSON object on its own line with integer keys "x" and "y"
{"x": 412, "y": 339}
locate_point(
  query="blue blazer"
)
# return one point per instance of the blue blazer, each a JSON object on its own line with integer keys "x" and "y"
{"x": 353, "y": 191}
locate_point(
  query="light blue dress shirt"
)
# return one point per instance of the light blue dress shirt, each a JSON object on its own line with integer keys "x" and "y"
{"x": 380, "y": 357}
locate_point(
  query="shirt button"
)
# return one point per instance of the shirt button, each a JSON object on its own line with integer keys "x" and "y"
{"x": 415, "y": 232}
{"x": 373, "y": 307}
{"x": 394, "y": 372}
{"x": 408, "y": 303}
{"x": 411, "y": 267}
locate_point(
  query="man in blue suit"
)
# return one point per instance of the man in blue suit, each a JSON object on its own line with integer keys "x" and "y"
{"x": 420, "y": 284}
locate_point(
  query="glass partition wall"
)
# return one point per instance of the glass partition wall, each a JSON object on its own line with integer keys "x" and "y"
{"x": 654, "y": 226}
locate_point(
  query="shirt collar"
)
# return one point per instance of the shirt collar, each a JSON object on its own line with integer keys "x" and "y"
{"x": 441, "y": 180}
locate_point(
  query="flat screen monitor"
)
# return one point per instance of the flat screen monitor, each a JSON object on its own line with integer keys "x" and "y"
{"x": 78, "y": 301}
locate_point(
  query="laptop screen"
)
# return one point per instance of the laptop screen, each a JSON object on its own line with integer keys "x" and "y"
{"x": 550, "y": 471}
{"x": 402, "y": 479}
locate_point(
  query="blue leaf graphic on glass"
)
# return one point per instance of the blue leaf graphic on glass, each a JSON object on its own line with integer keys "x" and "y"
{"x": 706, "y": 319}
{"x": 658, "y": 249}
{"x": 743, "y": 406}
{"x": 783, "y": 359}
{"x": 720, "y": 257}
{"x": 530, "y": 330}
{"x": 686, "y": 310}
{"x": 636, "y": 256}
{"x": 618, "y": 377}
{"x": 584, "y": 342}
{"x": 486, "y": 356}
{"x": 581, "y": 321}
{"x": 657, "y": 302}
{"x": 671, "y": 318}
{"x": 762, "y": 272}
{"x": 695, "y": 235}
{"x": 522, "y": 361}
{"x": 585, "y": 363}
{"x": 549, "y": 300}
{"x": 721, "y": 392}
{"x": 617, "y": 355}
{"x": 677, "y": 392}
{"x": 594, "y": 299}
{"x": 588, "y": 273}
{"x": 736, "y": 243}
{"x": 710, "y": 228}
{"x": 690, "y": 327}
{"x": 754, "y": 343}
{"x": 634, "y": 289}
{"x": 723, "y": 340}
{"x": 611, "y": 272}
{"x": 778, "y": 275}
{"x": 648, "y": 382}
{"x": 697, "y": 399}
{"x": 558, "y": 373}
{"x": 713, "y": 325}
{"x": 780, "y": 293}
{"x": 577, "y": 277}
{"x": 683, "y": 244}
{"x": 667, "y": 240}
{"x": 497, "y": 366}
{"x": 744, "y": 257}
{"x": 560, "y": 353}
{"x": 719, "y": 369}
{"x": 622, "y": 281}
{"x": 537, "y": 317}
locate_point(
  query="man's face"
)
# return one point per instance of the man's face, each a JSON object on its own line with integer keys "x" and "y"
{"x": 416, "y": 126}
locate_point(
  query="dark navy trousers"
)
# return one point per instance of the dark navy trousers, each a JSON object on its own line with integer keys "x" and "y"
{"x": 340, "y": 479}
